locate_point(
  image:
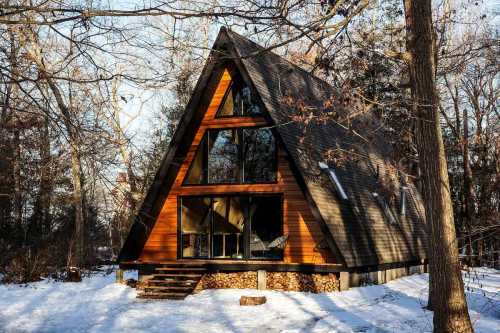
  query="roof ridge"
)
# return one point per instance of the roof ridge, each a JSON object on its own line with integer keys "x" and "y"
{"x": 232, "y": 33}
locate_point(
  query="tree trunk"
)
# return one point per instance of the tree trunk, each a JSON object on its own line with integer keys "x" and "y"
{"x": 18, "y": 200}
{"x": 447, "y": 290}
{"x": 6, "y": 149}
{"x": 76, "y": 173}
{"x": 468, "y": 190}
{"x": 45, "y": 179}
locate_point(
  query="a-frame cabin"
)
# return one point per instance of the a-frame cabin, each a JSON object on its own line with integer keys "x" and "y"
{"x": 245, "y": 196}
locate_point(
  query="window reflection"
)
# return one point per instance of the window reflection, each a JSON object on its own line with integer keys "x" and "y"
{"x": 196, "y": 219}
{"x": 259, "y": 155}
{"x": 228, "y": 226}
{"x": 266, "y": 236}
{"x": 238, "y": 101}
{"x": 234, "y": 227}
{"x": 223, "y": 157}
{"x": 235, "y": 156}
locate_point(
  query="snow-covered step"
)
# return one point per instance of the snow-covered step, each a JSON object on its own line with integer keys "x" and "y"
{"x": 158, "y": 295}
{"x": 185, "y": 288}
{"x": 174, "y": 281}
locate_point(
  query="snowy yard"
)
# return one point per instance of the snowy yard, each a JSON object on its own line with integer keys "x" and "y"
{"x": 100, "y": 305}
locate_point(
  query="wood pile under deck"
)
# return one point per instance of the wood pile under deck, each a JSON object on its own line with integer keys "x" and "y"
{"x": 172, "y": 281}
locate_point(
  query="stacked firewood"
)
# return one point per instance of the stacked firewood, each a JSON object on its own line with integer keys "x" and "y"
{"x": 291, "y": 281}
{"x": 239, "y": 280}
{"x": 286, "y": 281}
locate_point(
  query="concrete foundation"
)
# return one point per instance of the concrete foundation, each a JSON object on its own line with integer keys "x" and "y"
{"x": 379, "y": 277}
{"x": 119, "y": 276}
{"x": 344, "y": 281}
{"x": 294, "y": 281}
{"x": 261, "y": 280}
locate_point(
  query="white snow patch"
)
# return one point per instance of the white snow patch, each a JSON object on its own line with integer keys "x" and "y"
{"x": 99, "y": 305}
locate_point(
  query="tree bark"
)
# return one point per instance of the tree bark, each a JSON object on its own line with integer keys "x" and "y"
{"x": 16, "y": 161}
{"x": 6, "y": 142}
{"x": 447, "y": 297}
{"x": 45, "y": 179}
{"x": 30, "y": 40}
{"x": 468, "y": 190}
{"x": 76, "y": 173}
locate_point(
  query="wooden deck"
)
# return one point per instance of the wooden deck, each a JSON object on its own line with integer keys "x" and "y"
{"x": 235, "y": 265}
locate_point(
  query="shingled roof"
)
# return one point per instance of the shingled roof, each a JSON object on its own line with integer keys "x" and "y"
{"x": 360, "y": 231}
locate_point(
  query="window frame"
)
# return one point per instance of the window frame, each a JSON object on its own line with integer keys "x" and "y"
{"x": 403, "y": 200}
{"x": 241, "y": 164}
{"x": 342, "y": 194}
{"x": 247, "y": 229}
{"x": 386, "y": 209}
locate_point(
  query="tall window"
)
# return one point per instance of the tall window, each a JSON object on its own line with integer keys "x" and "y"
{"x": 266, "y": 234}
{"x": 243, "y": 155}
{"x": 228, "y": 227}
{"x": 238, "y": 101}
{"x": 259, "y": 155}
{"x": 196, "y": 223}
{"x": 223, "y": 156}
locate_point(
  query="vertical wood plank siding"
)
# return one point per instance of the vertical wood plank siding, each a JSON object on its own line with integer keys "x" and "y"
{"x": 306, "y": 242}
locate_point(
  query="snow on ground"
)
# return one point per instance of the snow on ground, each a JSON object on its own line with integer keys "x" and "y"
{"x": 99, "y": 305}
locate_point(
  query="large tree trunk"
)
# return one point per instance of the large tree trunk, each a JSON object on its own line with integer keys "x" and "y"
{"x": 447, "y": 289}
{"x": 76, "y": 174}
{"x": 76, "y": 171}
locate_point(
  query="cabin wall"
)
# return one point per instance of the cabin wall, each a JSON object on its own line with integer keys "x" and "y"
{"x": 299, "y": 223}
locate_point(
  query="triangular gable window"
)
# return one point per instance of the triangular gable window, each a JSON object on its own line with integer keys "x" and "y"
{"x": 238, "y": 101}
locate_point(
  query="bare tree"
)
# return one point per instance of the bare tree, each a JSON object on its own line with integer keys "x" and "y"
{"x": 447, "y": 297}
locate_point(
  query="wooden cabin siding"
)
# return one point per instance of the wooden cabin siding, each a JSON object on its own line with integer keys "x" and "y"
{"x": 299, "y": 224}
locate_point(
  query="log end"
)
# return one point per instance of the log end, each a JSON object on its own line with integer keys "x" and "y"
{"x": 252, "y": 300}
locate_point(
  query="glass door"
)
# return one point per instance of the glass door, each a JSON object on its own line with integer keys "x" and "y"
{"x": 232, "y": 227}
{"x": 228, "y": 227}
{"x": 195, "y": 229}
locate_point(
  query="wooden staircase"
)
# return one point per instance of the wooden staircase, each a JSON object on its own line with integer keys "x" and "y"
{"x": 172, "y": 281}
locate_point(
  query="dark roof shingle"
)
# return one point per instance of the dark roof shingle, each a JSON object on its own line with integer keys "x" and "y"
{"x": 358, "y": 225}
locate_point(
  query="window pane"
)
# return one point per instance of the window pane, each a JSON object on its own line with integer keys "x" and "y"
{"x": 238, "y": 101}
{"x": 218, "y": 158}
{"x": 223, "y": 166}
{"x": 266, "y": 237}
{"x": 227, "y": 107}
{"x": 229, "y": 222}
{"x": 197, "y": 170}
{"x": 259, "y": 153}
{"x": 195, "y": 221}
{"x": 248, "y": 106}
